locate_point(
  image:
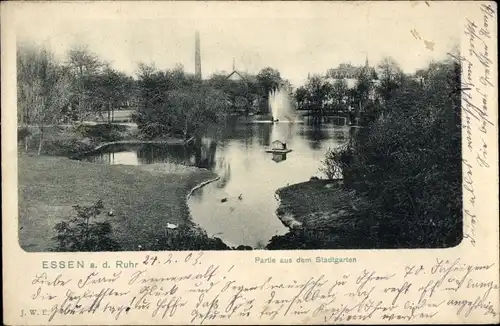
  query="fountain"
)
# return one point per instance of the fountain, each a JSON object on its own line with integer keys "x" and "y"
{"x": 281, "y": 107}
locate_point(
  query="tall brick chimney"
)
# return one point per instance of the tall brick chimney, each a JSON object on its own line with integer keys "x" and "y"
{"x": 197, "y": 56}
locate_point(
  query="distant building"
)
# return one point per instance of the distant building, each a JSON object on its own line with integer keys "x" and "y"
{"x": 350, "y": 73}
{"x": 236, "y": 76}
{"x": 344, "y": 71}
{"x": 243, "y": 102}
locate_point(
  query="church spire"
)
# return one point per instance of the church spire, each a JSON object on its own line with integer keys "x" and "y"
{"x": 234, "y": 66}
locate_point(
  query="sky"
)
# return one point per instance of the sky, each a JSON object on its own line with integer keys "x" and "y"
{"x": 297, "y": 38}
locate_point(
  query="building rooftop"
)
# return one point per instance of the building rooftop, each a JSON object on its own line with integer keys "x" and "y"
{"x": 348, "y": 71}
{"x": 235, "y": 75}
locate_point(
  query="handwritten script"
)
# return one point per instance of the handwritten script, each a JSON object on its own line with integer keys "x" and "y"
{"x": 477, "y": 87}
{"x": 210, "y": 293}
{"x": 188, "y": 288}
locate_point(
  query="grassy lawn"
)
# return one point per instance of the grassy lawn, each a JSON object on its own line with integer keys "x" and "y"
{"x": 309, "y": 201}
{"x": 143, "y": 198}
{"x": 329, "y": 216}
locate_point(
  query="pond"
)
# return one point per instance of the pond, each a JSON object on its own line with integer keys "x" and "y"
{"x": 240, "y": 207}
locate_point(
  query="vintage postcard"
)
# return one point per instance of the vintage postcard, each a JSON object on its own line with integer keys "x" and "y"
{"x": 237, "y": 163}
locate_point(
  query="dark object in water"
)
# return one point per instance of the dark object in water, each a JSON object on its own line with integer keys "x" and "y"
{"x": 313, "y": 178}
{"x": 240, "y": 197}
{"x": 278, "y": 147}
{"x": 223, "y": 200}
{"x": 277, "y": 157}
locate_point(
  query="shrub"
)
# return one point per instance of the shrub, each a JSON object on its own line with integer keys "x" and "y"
{"x": 337, "y": 161}
{"x": 64, "y": 147}
{"x": 104, "y": 132}
{"x": 23, "y": 133}
{"x": 154, "y": 130}
{"x": 174, "y": 103}
{"x": 186, "y": 237}
{"x": 81, "y": 233}
{"x": 408, "y": 160}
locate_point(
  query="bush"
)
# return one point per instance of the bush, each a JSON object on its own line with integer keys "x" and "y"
{"x": 102, "y": 132}
{"x": 23, "y": 133}
{"x": 65, "y": 147}
{"x": 188, "y": 238}
{"x": 82, "y": 234}
{"x": 174, "y": 103}
{"x": 337, "y": 161}
{"x": 154, "y": 130}
{"x": 408, "y": 160}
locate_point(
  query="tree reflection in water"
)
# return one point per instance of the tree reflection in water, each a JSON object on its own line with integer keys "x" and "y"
{"x": 316, "y": 135}
{"x": 159, "y": 153}
{"x": 205, "y": 149}
{"x": 224, "y": 171}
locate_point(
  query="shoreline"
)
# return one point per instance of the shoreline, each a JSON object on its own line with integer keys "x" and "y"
{"x": 71, "y": 143}
{"x": 139, "y": 221}
{"x": 201, "y": 185}
{"x": 322, "y": 214}
{"x": 287, "y": 220}
{"x": 65, "y": 150}
{"x": 293, "y": 218}
{"x": 170, "y": 142}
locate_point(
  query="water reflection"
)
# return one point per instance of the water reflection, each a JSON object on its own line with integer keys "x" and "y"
{"x": 249, "y": 176}
{"x": 279, "y": 157}
{"x": 204, "y": 149}
{"x": 264, "y": 133}
{"x": 224, "y": 171}
{"x": 318, "y": 134}
{"x": 157, "y": 153}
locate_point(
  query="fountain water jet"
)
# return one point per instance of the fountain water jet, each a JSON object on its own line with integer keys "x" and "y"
{"x": 280, "y": 105}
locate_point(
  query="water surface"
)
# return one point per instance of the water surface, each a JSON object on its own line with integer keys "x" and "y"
{"x": 240, "y": 207}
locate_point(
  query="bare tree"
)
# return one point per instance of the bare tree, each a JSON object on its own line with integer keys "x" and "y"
{"x": 84, "y": 65}
{"x": 388, "y": 68}
{"x": 43, "y": 88}
{"x": 390, "y": 75}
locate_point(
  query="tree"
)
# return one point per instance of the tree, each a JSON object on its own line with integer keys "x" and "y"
{"x": 243, "y": 93}
{"x": 339, "y": 94}
{"x": 301, "y": 97}
{"x": 107, "y": 90}
{"x": 27, "y": 87}
{"x": 363, "y": 86}
{"x": 174, "y": 103}
{"x": 84, "y": 66}
{"x": 317, "y": 90}
{"x": 269, "y": 79}
{"x": 43, "y": 86}
{"x": 390, "y": 75}
{"x": 408, "y": 161}
{"x": 197, "y": 106}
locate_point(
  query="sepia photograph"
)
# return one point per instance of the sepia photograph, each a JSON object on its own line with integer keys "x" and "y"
{"x": 249, "y": 162}
{"x": 176, "y": 134}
